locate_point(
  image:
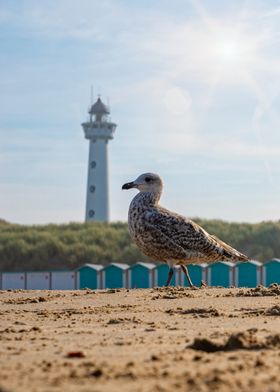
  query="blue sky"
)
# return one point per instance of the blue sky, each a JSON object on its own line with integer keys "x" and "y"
{"x": 194, "y": 87}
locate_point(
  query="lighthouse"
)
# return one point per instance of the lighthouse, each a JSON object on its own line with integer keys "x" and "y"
{"x": 98, "y": 130}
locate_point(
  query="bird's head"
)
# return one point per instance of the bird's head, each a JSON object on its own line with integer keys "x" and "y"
{"x": 147, "y": 182}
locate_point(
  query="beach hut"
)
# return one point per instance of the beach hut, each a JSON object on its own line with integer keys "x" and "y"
{"x": 63, "y": 280}
{"x": 89, "y": 276}
{"x": 198, "y": 272}
{"x": 13, "y": 280}
{"x": 141, "y": 275}
{"x": 115, "y": 275}
{"x": 271, "y": 272}
{"x": 248, "y": 274}
{"x": 161, "y": 274}
{"x": 38, "y": 281}
{"x": 221, "y": 274}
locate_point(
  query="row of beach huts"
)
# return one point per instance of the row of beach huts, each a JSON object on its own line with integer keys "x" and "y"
{"x": 144, "y": 275}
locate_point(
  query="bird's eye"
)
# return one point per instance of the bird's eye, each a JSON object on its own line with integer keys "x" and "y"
{"x": 148, "y": 179}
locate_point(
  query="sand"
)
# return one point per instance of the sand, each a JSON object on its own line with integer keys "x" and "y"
{"x": 209, "y": 339}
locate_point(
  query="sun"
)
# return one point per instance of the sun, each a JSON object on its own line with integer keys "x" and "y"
{"x": 233, "y": 50}
{"x": 229, "y": 50}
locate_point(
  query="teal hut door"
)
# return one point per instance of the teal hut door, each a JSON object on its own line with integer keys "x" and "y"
{"x": 139, "y": 277}
{"x": 88, "y": 278}
{"x": 162, "y": 274}
{"x": 247, "y": 275}
{"x": 220, "y": 275}
{"x": 272, "y": 270}
{"x": 195, "y": 272}
{"x": 113, "y": 277}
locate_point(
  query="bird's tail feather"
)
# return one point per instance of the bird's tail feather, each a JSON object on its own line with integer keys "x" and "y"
{"x": 229, "y": 253}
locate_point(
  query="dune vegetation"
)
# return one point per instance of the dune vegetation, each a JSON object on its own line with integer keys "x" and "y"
{"x": 67, "y": 246}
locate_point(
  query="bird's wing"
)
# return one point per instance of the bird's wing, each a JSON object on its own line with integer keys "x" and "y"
{"x": 189, "y": 236}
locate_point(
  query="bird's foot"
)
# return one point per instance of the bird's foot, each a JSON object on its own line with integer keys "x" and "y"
{"x": 193, "y": 287}
{"x": 203, "y": 284}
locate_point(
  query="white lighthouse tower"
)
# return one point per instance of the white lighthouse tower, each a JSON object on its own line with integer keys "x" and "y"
{"x": 99, "y": 130}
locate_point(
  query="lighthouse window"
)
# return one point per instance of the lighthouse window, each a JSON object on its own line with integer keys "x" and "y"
{"x": 91, "y": 213}
{"x": 92, "y": 188}
{"x": 92, "y": 164}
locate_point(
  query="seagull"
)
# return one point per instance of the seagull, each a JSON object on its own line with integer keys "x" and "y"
{"x": 167, "y": 236}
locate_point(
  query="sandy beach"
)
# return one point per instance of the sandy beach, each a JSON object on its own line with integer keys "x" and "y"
{"x": 159, "y": 339}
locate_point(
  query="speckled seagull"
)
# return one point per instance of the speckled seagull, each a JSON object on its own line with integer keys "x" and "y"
{"x": 170, "y": 237}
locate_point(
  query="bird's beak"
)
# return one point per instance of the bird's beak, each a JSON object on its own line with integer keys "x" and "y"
{"x": 128, "y": 185}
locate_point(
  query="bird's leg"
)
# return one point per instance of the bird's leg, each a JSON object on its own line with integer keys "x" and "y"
{"x": 170, "y": 274}
{"x": 186, "y": 272}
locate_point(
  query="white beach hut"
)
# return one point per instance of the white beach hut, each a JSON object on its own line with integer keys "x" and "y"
{"x": 63, "y": 280}
{"x": 13, "y": 280}
{"x": 38, "y": 280}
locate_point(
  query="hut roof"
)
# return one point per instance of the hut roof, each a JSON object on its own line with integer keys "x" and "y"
{"x": 272, "y": 260}
{"x": 146, "y": 265}
{"x": 97, "y": 267}
{"x": 118, "y": 265}
{"x": 255, "y": 262}
{"x": 227, "y": 263}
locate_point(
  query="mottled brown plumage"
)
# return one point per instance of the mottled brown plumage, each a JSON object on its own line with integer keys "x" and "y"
{"x": 166, "y": 236}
